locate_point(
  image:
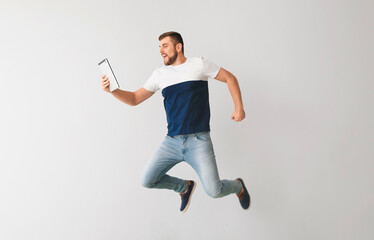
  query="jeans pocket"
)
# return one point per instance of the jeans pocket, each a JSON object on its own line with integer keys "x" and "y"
{"x": 169, "y": 137}
{"x": 205, "y": 136}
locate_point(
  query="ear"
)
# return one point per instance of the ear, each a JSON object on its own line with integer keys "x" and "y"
{"x": 179, "y": 47}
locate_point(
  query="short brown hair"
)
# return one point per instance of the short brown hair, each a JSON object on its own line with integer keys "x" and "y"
{"x": 176, "y": 37}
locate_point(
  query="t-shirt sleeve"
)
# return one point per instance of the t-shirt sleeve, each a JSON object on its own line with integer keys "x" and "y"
{"x": 210, "y": 69}
{"x": 152, "y": 83}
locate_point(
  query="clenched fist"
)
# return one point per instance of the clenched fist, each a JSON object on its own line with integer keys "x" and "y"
{"x": 238, "y": 115}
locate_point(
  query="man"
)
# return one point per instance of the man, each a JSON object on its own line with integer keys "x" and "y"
{"x": 184, "y": 86}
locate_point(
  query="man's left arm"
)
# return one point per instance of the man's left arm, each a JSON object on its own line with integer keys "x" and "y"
{"x": 233, "y": 85}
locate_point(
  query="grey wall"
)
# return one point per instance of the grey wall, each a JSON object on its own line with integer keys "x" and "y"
{"x": 71, "y": 154}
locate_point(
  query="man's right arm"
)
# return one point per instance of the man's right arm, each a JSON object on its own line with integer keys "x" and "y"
{"x": 130, "y": 98}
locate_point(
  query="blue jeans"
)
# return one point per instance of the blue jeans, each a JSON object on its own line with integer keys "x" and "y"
{"x": 197, "y": 150}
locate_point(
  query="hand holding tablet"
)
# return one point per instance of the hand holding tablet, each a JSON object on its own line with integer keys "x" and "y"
{"x": 107, "y": 72}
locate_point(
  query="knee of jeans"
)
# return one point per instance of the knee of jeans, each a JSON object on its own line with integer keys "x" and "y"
{"x": 214, "y": 192}
{"x": 146, "y": 182}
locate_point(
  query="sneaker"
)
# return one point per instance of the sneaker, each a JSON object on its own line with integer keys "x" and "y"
{"x": 244, "y": 198}
{"x": 186, "y": 196}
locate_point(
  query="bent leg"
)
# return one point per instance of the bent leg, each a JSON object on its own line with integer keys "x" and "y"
{"x": 200, "y": 155}
{"x": 154, "y": 174}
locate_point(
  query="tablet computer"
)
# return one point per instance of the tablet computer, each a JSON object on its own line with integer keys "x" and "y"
{"x": 107, "y": 70}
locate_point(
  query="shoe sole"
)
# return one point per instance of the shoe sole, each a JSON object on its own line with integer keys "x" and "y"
{"x": 189, "y": 200}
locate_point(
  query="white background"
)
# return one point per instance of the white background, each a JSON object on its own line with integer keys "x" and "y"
{"x": 71, "y": 154}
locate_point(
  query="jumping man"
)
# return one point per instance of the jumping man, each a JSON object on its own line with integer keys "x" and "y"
{"x": 184, "y": 85}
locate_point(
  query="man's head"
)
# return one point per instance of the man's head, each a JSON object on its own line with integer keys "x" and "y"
{"x": 171, "y": 45}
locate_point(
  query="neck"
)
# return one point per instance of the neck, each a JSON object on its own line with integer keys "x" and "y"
{"x": 180, "y": 60}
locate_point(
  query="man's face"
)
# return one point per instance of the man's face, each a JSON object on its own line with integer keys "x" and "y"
{"x": 168, "y": 51}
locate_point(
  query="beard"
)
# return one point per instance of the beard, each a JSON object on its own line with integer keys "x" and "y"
{"x": 171, "y": 59}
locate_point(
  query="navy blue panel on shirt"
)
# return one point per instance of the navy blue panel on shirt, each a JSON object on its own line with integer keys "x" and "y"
{"x": 187, "y": 107}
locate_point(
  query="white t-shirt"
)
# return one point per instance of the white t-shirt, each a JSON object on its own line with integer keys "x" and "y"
{"x": 195, "y": 68}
